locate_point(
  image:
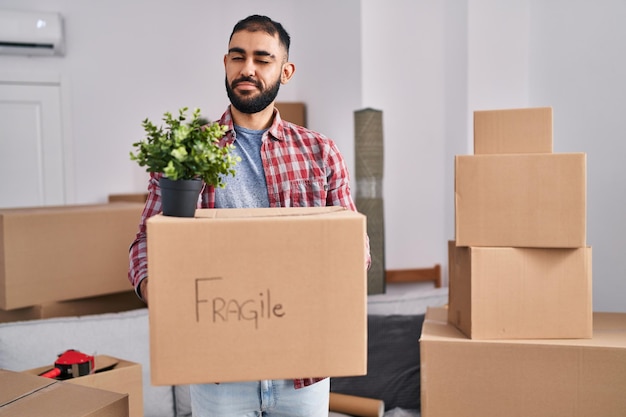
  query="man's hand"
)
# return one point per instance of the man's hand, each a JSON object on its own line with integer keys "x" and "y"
{"x": 143, "y": 290}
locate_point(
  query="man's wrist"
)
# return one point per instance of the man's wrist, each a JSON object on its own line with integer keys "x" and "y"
{"x": 141, "y": 288}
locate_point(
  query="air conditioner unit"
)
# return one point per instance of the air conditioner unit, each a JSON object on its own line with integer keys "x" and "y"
{"x": 31, "y": 33}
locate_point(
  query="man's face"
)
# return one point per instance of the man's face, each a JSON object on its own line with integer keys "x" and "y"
{"x": 254, "y": 70}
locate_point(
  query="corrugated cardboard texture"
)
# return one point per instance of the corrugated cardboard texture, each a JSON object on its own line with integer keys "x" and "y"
{"x": 53, "y": 254}
{"x": 248, "y": 294}
{"x": 539, "y": 378}
{"x": 110, "y": 303}
{"x": 293, "y": 112}
{"x": 124, "y": 378}
{"x": 525, "y": 200}
{"x": 526, "y": 130}
{"x": 520, "y": 293}
{"x": 29, "y": 395}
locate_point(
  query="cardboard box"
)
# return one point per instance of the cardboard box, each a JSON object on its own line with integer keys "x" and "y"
{"x": 28, "y": 395}
{"x": 520, "y": 378}
{"x": 520, "y": 293}
{"x": 231, "y": 286}
{"x": 52, "y": 254}
{"x": 131, "y": 198}
{"x": 111, "y": 303}
{"x": 294, "y": 112}
{"x": 124, "y": 378}
{"x": 527, "y": 130}
{"x": 524, "y": 200}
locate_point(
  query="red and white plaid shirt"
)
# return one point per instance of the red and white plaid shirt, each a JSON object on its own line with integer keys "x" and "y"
{"x": 302, "y": 169}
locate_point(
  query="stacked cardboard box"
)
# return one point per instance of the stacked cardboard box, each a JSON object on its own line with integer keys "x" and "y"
{"x": 111, "y": 374}
{"x": 523, "y": 377}
{"x": 520, "y": 267}
{"x": 517, "y": 337}
{"x": 294, "y": 112}
{"x": 31, "y": 395}
{"x": 69, "y": 260}
{"x": 52, "y": 257}
{"x": 100, "y": 304}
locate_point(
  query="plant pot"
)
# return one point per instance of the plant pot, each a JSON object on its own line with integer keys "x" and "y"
{"x": 179, "y": 198}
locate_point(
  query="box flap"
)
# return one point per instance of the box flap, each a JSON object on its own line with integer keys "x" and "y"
{"x": 41, "y": 396}
{"x": 240, "y": 213}
{"x": 125, "y": 378}
{"x": 15, "y": 388}
{"x": 257, "y": 213}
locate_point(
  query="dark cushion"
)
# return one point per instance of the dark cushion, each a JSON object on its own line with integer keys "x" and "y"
{"x": 393, "y": 364}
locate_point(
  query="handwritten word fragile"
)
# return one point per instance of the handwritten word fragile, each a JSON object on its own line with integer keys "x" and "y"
{"x": 224, "y": 309}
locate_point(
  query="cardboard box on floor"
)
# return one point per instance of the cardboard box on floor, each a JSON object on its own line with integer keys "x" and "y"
{"x": 519, "y": 378}
{"x": 523, "y": 200}
{"x": 248, "y": 294}
{"x": 527, "y": 130}
{"x": 50, "y": 254}
{"x": 520, "y": 293}
{"x": 110, "y": 303}
{"x": 29, "y": 395}
{"x": 125, "y": 378}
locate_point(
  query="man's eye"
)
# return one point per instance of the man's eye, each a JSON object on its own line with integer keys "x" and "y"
{"x": 237, "y": 58}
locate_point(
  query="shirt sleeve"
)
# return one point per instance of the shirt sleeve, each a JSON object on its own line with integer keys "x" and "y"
{"x": 138, "y": 252}
{"x": 339, "y": 193}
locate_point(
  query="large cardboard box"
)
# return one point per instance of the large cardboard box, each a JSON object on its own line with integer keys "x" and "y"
{"x": 527, "y": 130}
{"x": 248, "y": 294}
{"x": 520, "y": 293}
{"x": 521, "y": 378}
{"x": 110, "y": 303}
{"x": 29, "y": 395}
{"x": 52, "y": 254}
{"x": 521, "y": 200}
{"x": 124, "y": 377}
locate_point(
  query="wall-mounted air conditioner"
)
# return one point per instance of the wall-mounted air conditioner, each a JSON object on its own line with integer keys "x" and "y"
{"x": 31, "y": 33}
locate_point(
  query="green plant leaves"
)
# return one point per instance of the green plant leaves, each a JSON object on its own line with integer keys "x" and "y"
{"x": 186, "y": 150}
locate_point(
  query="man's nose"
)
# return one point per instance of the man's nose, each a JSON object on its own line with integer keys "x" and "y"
{"x": 248, "y": 69}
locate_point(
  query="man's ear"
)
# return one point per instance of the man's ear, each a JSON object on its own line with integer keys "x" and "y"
{"x": 287, "y": 72}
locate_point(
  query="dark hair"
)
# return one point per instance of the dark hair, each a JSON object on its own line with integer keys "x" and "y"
{"x": 257, "y": 22}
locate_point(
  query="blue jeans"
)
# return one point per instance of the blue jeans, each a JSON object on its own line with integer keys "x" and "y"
{"x": 276, "y": 398}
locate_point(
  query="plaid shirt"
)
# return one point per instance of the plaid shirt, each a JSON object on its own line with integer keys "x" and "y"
{"x": 302, "y": 169}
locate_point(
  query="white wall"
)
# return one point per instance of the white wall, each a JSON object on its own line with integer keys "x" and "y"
{"x": 403, "y": 55}
{"x": 328, "y": 68}
{"x": 494, "y": 54}
{"x": 127, "y": 61}
{"x": 426, "y": 65}
{"x": 577, "y": 64}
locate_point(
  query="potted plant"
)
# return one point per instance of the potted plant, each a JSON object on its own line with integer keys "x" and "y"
{"x": 186, "y": 152}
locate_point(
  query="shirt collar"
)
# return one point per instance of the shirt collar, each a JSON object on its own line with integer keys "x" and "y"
{"x": 275, "y": 131}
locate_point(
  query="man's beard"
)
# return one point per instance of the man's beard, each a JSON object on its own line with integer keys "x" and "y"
{"x": 254, "y": 104}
